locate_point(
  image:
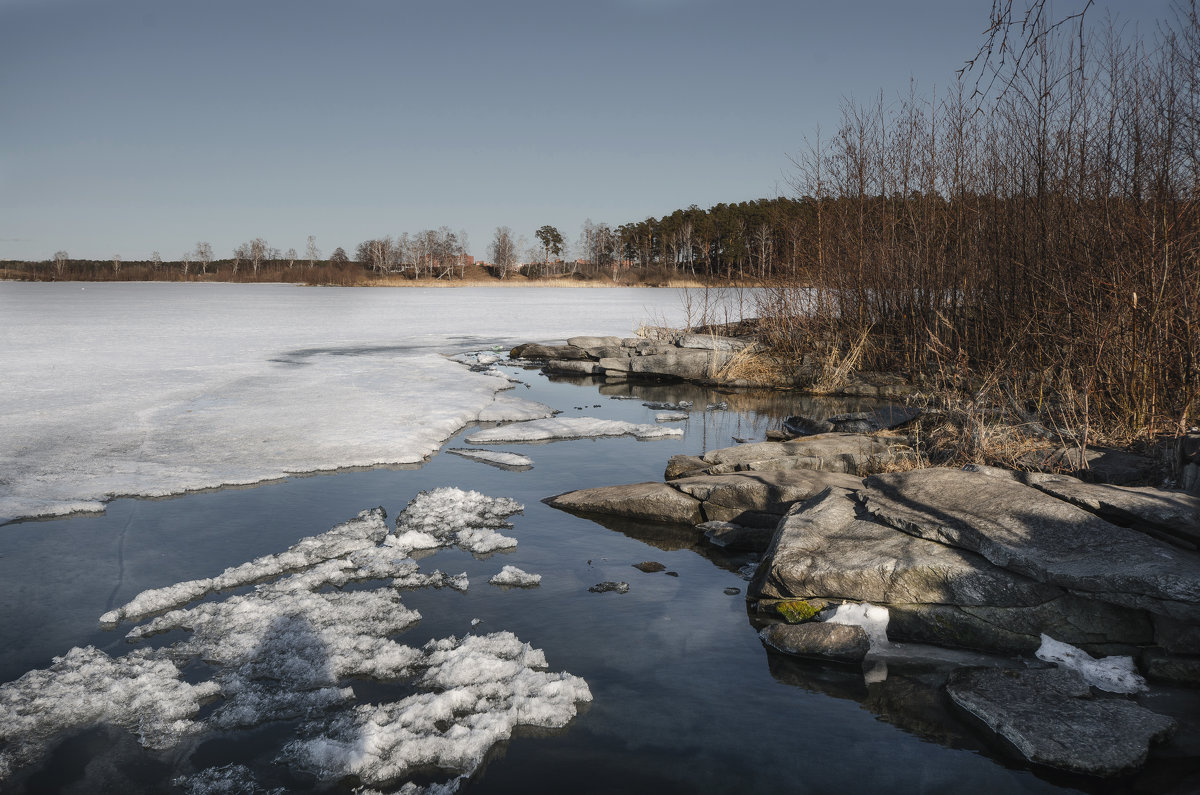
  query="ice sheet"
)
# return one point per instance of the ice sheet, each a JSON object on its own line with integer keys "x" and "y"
{"x": 569, "y": 428}
{"x": 156, "y": 389}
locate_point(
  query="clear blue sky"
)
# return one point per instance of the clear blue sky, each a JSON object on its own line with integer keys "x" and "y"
{"x": 128, "y": 126}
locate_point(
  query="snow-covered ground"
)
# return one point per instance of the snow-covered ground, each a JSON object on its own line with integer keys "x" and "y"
{"x": 155, "y": 389}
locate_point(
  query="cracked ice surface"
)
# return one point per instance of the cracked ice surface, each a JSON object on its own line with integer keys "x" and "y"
{"x": 155, "y": 389}
{"x": 284, "y": 649}
{"x": 569, "y": 428}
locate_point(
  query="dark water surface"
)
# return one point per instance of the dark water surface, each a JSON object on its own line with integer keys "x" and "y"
{"x": 686, "y": 699}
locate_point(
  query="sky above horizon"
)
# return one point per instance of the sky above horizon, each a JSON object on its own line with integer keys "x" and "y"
{"x": 133, "y": 126}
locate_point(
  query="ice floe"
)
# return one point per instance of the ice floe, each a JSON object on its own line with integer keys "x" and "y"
{"x": 670, "y": 416}
{"x": 504, "y": 460}
{"x": 155, "y": 389}
{"x": 1114, "y": 674}
{"x": 513, "y": 576}
{"x": 288, "y": 647}
{"x": 569, "y": 428}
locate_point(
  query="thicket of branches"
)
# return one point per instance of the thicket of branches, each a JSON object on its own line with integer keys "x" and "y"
{"x": 1045, "y": 238}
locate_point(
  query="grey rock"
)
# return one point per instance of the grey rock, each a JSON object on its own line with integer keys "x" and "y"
{"x": 580, "y": 366}
{"x": 712, "y": 342}
{"x": 1051, "y": 717}
{"x": 594, "y": 342}
{"x": 1099, "y": 464}
{"x": 536, "y": 351}
{"x": 655, "y": 502}
{"x": 651, "y": 347}
{"x": 772, "y": 492}
{"x": 1160, "y": 512}
{"x": 1181, "y": 637}
{"x": 824, "y": 549}
{"x": 619, "y": 364}
{"x": 736, "y": 537}
{"x": 1037, "y": 535}
{"x": 609, "y": 352}
{"x": 680, "y": 465}
{"x": 858, "y": 422}
{"x": 837, "y": 642}
{"x": 835, "y": 452}
{"x": 1171, "y": 668}
{"x": 687, "y": 364}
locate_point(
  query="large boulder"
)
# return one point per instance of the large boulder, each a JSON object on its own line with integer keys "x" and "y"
{"x": 1052, "y": 718}
{"x": 829, "y": 548}
{"x": 687, "y": 364}
{"x": 1173, "y": 514}
{"x": 578, "y": 366}
{"x": 758, "y": 499}
{"x": 594, "y": 342}
{"x": 655, "y": 502}
{"x": 843, "y": 643}
{"x": 833, "y": 452}
{"x": 711, "y": 342}
{"x": 1040, "y": 536}
{"x": 533, "y": 350}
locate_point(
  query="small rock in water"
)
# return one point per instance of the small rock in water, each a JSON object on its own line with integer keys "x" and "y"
{"x": 605, "y": 587}
{"x": 649, "y": 566}
{"x": 672, "y": 574}
{"x": 731, "y": 591}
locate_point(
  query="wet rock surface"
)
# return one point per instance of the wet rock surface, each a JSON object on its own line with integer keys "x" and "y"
{"x": 819, "y": 639}
{"x": 1052, "y": 718}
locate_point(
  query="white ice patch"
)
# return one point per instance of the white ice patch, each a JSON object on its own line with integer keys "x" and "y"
{"x": 283, "y": 650}
{"x": 140, "y": 691}
{"x": 155, "y": 389}
{"x": 453, "y": 516}
{"x": 495, "y": 458}
{"x": 508, "y": 409}
{"x": 1114, "y": 674}
{"x": 512, "y": 576}
{"x": 670, "y": 416}
{"x": 361, "y": 533}
{"x": 569, "y": 428}
{"x": 872, "y": 618}
{"x": 481, "y": 688}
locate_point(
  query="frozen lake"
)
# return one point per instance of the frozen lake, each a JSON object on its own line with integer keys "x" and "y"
{"x": 683, "y": 696}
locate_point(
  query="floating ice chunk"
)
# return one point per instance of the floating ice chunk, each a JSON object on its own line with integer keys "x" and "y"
{"x": 484, "y": 687}
{"x": 1114, "y": 674}
{"x": 872, "y": 618}
{"x": 503, "y": 460}
{"x": 453, "y": 516}
{"x": 511, "y": 575}
{"x": 141, "y": 691}
{"x": 682, "y": 405}
{"x": 509, "y": 409}
{"x": 569, "y": 428}
{"x": 722, "y": 406}
{"x": 362, "y": 532}
{"x": 670, "y": 416}
{"x": 224, "y": 780}
{"x": 436, "y": 579}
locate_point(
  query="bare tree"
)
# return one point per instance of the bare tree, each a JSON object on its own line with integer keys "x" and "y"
{"x": 116, "y": 261}
{"x": 291, "y": 257}
{"x": 187, "y": 263}
{"x": 503, "y": 251}
{"x": 258, "y": 251}
{"x": 60, "y": 261}
{"x": 311, "y": 251}
{"x": 240, "y": 253}
{"x": 156, "y": 261}
{"x": 204, "y": 256}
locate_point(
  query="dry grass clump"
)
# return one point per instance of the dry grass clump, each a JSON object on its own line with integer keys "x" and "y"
{"x": 755, "y": 367}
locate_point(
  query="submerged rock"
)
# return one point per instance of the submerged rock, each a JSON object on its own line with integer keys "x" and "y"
{"x": 1052, "y": 718}
{"x": 609, "y": 586}
{"x": 843, "y": 643}
{"x": 834, "y": 452}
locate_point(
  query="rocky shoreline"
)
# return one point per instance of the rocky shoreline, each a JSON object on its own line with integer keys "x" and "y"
{"x": 867, "y": 558}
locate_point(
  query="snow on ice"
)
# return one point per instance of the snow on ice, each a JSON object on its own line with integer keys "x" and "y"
{"x": 569, "y": 428}
{"x": 283, "y": 649}
{"x": 155, "y": 389}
